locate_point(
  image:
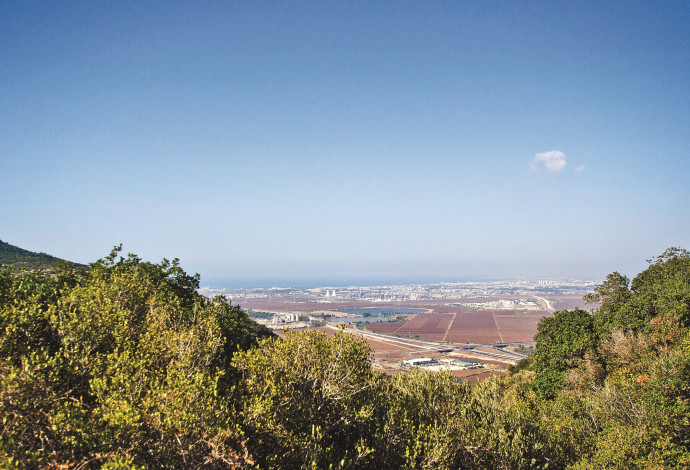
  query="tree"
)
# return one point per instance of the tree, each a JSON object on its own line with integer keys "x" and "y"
{"x": 308, "y": 401}
{"x": 562, "y": 341}
{"x": 662, "y": 289}
{"x": 422, "y": 426}
{"x": 120, "y": 365}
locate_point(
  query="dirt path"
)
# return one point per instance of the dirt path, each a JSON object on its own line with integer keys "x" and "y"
{"x": 493, "y": 314}
{"x": 448, "y": 329}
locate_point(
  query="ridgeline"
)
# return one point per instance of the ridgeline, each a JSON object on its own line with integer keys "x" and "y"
{"x": 25, "y": 260}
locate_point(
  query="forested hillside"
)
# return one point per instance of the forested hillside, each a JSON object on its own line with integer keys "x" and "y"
{"x": 127, "y": 366}
{"x": 22, "y": 259}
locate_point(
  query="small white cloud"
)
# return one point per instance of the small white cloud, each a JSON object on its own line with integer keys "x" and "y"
{"x": 553, "y": 161}
{"x": 580, "y": 169}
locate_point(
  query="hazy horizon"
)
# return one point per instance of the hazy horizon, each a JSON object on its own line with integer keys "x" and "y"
{"x": 317, "y": 283}
{"x": 311, "y": 140}
{"x": 373, "y": 280}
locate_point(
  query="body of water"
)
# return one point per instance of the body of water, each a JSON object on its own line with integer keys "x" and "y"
{"x": 376, "y": 311}
{"x": 373, "y": 314}
{"x": 359, "y": 320}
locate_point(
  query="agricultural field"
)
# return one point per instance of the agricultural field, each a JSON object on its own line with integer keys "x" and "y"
{"x": 474, "y": 327}
{"x": 518, "y": 326}
{"x": 431, "y": 326}
{"x": 445, "y": 329}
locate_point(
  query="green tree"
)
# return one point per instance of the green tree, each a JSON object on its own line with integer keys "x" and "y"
{"x": 308, "y": 401}
{"x": 662, "y": 289}
{"x": 422, "y": 426}
{"x": 562, "y": 341}
{"x": 121, "y": 365}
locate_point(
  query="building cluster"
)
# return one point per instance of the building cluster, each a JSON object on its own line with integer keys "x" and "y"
{"x": 517, "y": 304}
{"x": 393, "y": 293}
{"x": 285, "y": 318}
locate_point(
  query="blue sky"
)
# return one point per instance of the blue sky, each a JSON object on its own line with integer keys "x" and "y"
{"x": 354, "y": 141}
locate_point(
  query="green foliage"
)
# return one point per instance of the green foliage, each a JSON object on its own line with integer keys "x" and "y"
{"x": 526, "y": 350}
{"x": 506, "y": 425}
{"x": 663, "y": 289}
{"x": 118, "y": 367}
{"x": 127, "y": 366}
{"x": 628, "y": 394}
{"x": 25, "y": 260}
{"x": 562, "y": 340}
{"x": 642, "y": 411}
{"x": 421, "y": 427}
{"x": 308, "y": 401}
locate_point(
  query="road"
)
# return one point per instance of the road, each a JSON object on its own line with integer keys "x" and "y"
{"x": 547, "y": 302}
{"x": 432, "y": 346}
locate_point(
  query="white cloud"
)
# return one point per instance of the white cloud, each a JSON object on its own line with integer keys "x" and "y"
{"x": 553, "y": 161}
{"x": 580, "y": 169}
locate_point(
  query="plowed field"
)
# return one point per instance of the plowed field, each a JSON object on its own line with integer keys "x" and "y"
{"x": 480, "y": 327}
{"x": 516, "y": 326}
{"x": 474, "y": 327}
{"x": 432, "y": 326}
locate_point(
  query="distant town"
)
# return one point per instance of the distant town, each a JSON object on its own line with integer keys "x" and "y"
{"x": 412, "y": 292}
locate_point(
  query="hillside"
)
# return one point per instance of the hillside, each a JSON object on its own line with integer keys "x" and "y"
{"x": 22, "y": 259}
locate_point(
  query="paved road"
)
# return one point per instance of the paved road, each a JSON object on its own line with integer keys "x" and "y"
{"x": 548, "y": 303}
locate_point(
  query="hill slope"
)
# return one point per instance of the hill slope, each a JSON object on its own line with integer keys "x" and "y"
{"x": 20, "y": 258}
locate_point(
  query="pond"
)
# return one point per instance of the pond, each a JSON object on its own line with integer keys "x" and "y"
{"x": 359, "y": 320}
{"x": 376, "y": 311}
{"x": 374, "y": 314}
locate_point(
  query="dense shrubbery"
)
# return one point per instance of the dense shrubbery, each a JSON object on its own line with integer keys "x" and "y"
{"x": 126, "y": 366}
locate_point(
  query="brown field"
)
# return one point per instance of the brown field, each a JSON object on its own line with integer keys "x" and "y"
{"x": 480, "y": 327}
{"x": 474, "y": 327}
{"x": 385, "y": 328}
{"x": 426, "y": 325}
{"x": 446, "y": 309}
{"x": 467, "y": 372}
{"x": 518, "y": 326}
{"x": 386, "y": 347}
{"x": 478, "y": 358}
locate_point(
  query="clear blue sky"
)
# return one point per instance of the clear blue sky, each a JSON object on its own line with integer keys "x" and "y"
{"x": 370, "y": 141}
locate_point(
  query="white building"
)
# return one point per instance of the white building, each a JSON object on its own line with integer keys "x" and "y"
{"x": 419, "y": 361}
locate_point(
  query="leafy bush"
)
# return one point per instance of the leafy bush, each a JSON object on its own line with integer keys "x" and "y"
{"x": 121, "y": 365}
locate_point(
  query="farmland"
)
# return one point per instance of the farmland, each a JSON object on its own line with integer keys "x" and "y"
{"x": 451, "y": 326}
